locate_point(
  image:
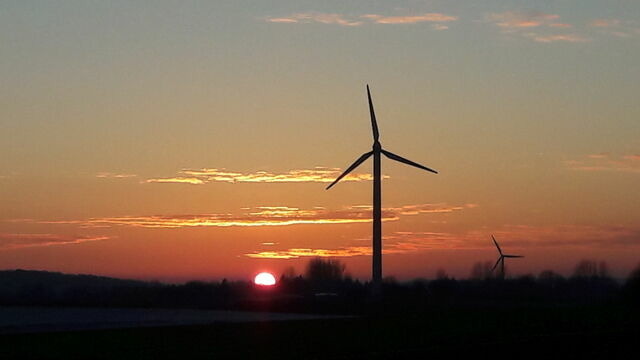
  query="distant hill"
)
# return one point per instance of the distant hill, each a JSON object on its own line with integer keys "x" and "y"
{"x": 44, "y": 288}
{"x": 29, "y": 287}
{"x": 14, "y": 280}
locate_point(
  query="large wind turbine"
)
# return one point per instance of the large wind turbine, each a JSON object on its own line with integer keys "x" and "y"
{"x": 376, "y": 276}
{"x": 501, "y": 258}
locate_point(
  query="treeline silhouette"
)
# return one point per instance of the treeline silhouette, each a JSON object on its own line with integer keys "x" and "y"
{"x": 325, "y": 288}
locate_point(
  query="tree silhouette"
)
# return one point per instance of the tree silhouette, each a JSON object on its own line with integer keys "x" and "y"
{"x": 441, "y": 274}
{"x": 288, "y": 273}
{"x": 632, "y": 286}
{"x": 324, "y": 271}
{"x": 482, "y": 271}
{"x": 591, "y": 269}
{"x": 324, "y": 275}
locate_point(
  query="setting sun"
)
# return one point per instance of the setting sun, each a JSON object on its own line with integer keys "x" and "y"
{"x": 265, "y": 279}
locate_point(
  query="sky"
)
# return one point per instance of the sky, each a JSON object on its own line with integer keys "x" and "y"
{"x": 185, "y": 140}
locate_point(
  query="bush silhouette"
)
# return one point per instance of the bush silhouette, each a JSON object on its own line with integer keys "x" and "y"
{"x": 632, "y": 286}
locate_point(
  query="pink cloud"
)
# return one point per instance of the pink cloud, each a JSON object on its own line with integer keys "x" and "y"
{"x": 518, "y": 20}
{"x": 561, "y": 25}
{"x": 16, "y": 241}
{"x": 323, "y": 18}
{"x": 572, "y": 38}
{"x": 345, "y": 20}
{"x": 598, "y": 156}
{"x": 605, "y": 23}
{"x": 410, "y": 19}
{"x": 570, "y": 235}
{"x": 535, "y": 26}
{"x": 518, "y": 237}
{"x": 605, "y": 162}
{"x": 283, "y": 20}
{"x": 616, "y": 27}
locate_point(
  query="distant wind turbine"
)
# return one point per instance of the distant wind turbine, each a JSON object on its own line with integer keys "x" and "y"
{"x": 501, "y": 258}
{"x": 376, "y": 277}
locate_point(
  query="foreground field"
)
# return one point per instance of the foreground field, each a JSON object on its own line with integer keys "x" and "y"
{"x": 15, "y": 320}
{"x": 589, "y": 332}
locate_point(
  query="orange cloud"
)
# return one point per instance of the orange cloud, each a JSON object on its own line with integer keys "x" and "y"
{"x": 114, "y": 175}
{"x": 605, "y": 162}
{"x": 177, "y": 180}
{"x": 410, "y": 19}
{"x": 518, "y": 237}
{"x": 16, "y": 241}
{"x": 262, "y": 216}
{"x": 203, "y": 176}
{"x": 396, "y": 243}
{"x": 305, "y": 252}
{"x": 429, "y": 208}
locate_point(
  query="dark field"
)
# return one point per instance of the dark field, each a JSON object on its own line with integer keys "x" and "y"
{"x": 603, "y": 331}
{"x": 586, "y": 316}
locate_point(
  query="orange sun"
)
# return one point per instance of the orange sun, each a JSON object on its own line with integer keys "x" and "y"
{"x": 265, "y": 279}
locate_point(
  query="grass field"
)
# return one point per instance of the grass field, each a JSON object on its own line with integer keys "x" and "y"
{"x": 553, "y": 332}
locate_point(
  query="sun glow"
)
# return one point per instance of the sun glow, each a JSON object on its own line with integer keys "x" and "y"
{"x": 265, "y": 279}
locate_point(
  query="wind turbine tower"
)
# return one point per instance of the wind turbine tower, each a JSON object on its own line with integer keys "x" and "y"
{"x": 376, "y": 277}
{"x": 501, "y": 258}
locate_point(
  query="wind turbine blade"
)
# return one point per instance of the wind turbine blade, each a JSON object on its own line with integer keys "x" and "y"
{"x": 514, "y": 256}
{"x": 498, "y": 246}
{"x": 398, "y": 158}
{"x": 360, "y": 160}
{"x": 496, "y": 265}
{"x": 374, "y": 123}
